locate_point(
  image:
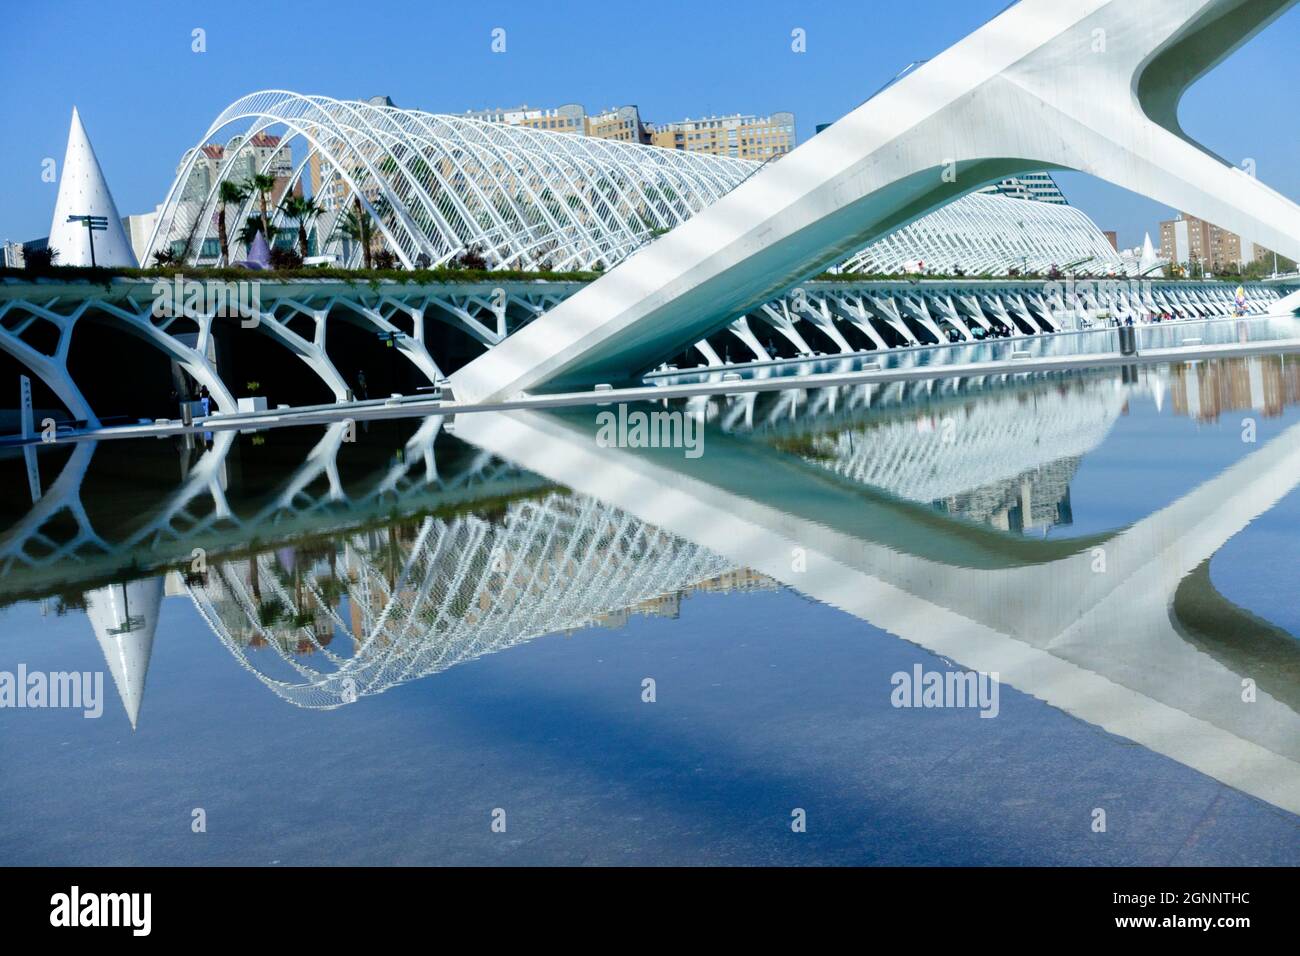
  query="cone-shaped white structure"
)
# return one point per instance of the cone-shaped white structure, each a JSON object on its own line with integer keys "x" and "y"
{"x": 124, "y": 617}
{"x": 1158, "y": 386}
{"x": 1149, "y": 257}
{"x": 83, "y": 191}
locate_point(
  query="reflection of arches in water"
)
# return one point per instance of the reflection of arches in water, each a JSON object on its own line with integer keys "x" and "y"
{"x": 1058, "y": 421}
{"x": 931, "y": 458}
{"x": 37, "y": 540}
{"x": 878, "y": 567}
{"x": 457, "y": 589}
{"x": 1094, "y": 641}
{"x": 199, "y": 511}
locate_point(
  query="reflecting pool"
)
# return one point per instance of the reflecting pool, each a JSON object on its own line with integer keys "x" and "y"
{"x": 1042, "y": 619}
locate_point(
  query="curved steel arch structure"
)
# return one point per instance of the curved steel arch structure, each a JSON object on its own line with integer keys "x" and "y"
{"x": 987, "y": 235}
{"x": 436, "y": 185}
{"x": 1091, "y": 85}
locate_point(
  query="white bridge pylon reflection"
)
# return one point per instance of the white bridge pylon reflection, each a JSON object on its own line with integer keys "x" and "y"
{"x": 413, "y": 597}
{"x": 198, "y": 511}
{"x": 461, "y": 587}
{"x": 56, "y": 539}
{"x": 1103, "y": 646}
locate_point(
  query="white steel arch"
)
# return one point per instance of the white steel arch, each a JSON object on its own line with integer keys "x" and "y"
{"x": 989, "y": 235}
{"x": 436, "y": 185}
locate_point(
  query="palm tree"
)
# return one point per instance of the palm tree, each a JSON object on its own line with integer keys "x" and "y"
{"x": 302, "y": 210}
{"x": 249, "y": 230}
{"x": 355, "y": 225}
{"x": 264, "y": 183}
{"x": 229, "y": 194}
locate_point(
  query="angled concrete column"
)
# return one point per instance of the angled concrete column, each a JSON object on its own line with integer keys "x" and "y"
{"x": 1109, "y": 648}
{"x": 1091, "y": 85}
{"x": 780, "y": 320}
{"x": 889, "y": 312}
{"x": 711, "y": 356}
{"x": 819, "y": 316}
{"x": 857, "y": 314}
{"x": 741, "y": 330}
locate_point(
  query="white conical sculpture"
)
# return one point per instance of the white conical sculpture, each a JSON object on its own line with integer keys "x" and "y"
{"x": 124, "y": 617}
{"x": 1158, "y": 386}
{"x": 83, "y": 191}
{"x": 1149, "y": 258}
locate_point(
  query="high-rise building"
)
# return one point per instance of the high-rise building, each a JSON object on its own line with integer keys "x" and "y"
{"x": 738, "y": 136}
{"x": 13, "y": 255}
{"x": 621, "y": 123}
{"x": 139, "y": 230}
{"x": 1188, "y": 239}
{"x": 1038, "y": 186}
{"x": 570, "y": 118}
{"x": 253, "y": 157}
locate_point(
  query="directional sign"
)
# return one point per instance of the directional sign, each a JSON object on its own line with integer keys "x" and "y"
{"x": 29, "y": 431}
{"x": 93, "y": 225}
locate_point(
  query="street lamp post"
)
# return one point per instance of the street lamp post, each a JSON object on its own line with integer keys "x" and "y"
{"x": 93, "y": 225}
{"x": 390, "y": 338}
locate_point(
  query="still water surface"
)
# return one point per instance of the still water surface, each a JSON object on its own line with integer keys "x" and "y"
{"x": 357, "y": 651}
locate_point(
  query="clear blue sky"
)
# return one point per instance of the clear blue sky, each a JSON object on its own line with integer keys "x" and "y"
{"x": 145, "y": 97}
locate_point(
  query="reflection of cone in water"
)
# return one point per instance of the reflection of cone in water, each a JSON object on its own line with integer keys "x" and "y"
{"x": 124, "y": 617}
{"x": 1156, "y": 381}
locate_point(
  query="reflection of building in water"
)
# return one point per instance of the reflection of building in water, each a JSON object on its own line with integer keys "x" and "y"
{"x": 424, "y": 594}
{"x": 1039, "y": 498}
{"x": 737, "y": 579}
{"x": 669, "y": 604}
{"x": 416, "y": 596}
{"x": 1204, "y": 390}
{"x": 1148, "y": 651}
{"x": 296, "y": 618}
{"x": 1006, "y": 461}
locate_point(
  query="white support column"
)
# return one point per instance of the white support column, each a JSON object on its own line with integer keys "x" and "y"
{"x": 860, "y": 316}
{"x": 777, "y": 317}
{"x": 741, "y": 330}
{"x": 51, "y": 369}
{"x": 817, "y": 313}
{"x": 889, "y": 313}
{"x": 1023, "y": 92}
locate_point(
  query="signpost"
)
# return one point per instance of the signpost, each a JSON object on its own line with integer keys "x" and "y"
{"x": 390, "y": 339}
{"x": 93, "y": 225}
{"x": 128, "y": 623}
{"x": 29, "y": 431}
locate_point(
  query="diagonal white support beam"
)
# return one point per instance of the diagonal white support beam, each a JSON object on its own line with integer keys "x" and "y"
{"x": 1091, "y": 85}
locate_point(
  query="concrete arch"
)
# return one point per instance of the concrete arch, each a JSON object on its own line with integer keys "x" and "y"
{"x": 1025, "y": 92}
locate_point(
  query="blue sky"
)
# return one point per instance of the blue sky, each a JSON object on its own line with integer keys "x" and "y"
{"x": 146, "y": 97}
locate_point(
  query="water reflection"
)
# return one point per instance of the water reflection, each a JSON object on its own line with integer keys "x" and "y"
{"x": 333, "y": 571}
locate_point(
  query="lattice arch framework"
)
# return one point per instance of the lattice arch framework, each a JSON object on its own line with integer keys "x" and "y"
{"x": 436, "y": 185}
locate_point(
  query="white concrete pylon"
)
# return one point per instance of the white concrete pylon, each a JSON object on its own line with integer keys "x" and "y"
{"x": 83, "y": 191}
{"x": 1149, "y": 258}
{"x": 125, "y": 617}
{"x": 1091, "y": 85}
